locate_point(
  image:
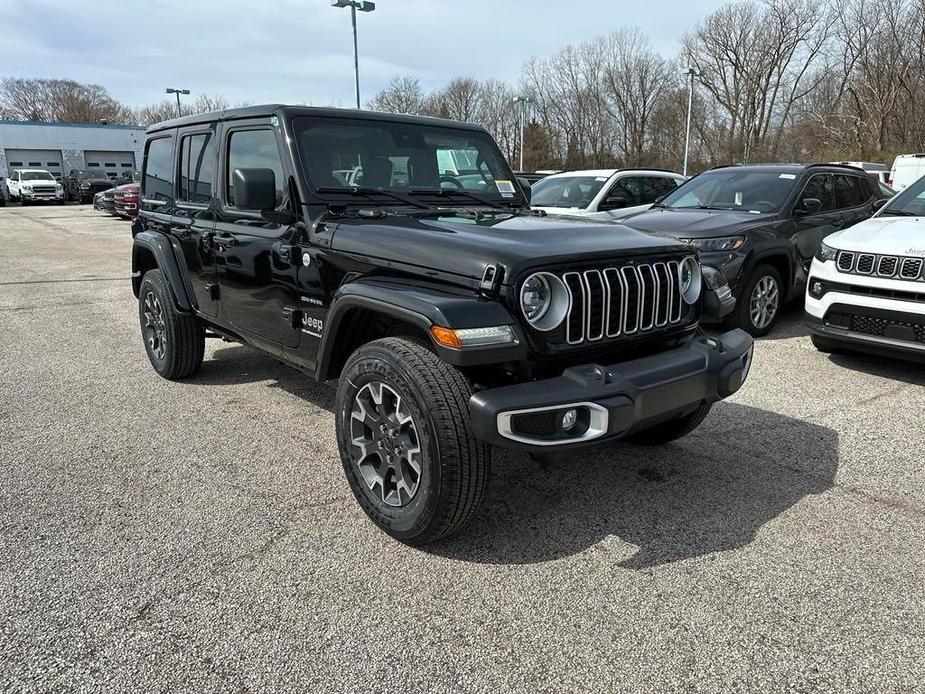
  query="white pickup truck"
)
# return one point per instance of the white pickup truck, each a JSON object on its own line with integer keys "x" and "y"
{"x": 34, "y": 185}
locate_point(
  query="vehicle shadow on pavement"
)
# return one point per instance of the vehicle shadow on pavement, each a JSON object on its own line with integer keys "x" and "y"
{"x": 884, "y": 367}
{"x": 709, "y": 492}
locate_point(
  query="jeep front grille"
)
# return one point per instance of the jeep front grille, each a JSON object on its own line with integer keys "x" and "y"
{"x": 880, "y": 265}
{"x": 617, "y": 301}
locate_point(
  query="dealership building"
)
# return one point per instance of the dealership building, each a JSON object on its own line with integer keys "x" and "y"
{"x": 59, "y": 147}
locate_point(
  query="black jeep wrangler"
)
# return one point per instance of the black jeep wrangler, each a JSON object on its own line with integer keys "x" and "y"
{"x": 399, "y": 255}
{"x": 83, "y": 184}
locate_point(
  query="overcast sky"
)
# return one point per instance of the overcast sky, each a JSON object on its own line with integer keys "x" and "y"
{"x": 300, "y": 51}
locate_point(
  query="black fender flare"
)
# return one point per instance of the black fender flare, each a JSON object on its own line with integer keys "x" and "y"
{"x": 159, "y": 247}
{"x": 777, "y": 250}
{"x": 423, "y": 305}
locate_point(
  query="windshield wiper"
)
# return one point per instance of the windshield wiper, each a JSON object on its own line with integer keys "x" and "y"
{"x": 440, "y": 192}
{"x": 369, "y": 192}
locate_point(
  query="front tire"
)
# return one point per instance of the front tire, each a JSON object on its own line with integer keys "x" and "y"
{"x": 174, "y": 342}
{"x": 405, "y": 441}
{"x": 673, "y": 429}
{"x": 759, "y": 303}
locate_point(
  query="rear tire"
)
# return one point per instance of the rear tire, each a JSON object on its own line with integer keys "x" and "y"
{"x": 175, "y": 342}
{"x": 672, "y": 429}
{"x": 399, "y": 407}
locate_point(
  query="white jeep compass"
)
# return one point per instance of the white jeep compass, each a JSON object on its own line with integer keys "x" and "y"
{"x": 866, "y": 289}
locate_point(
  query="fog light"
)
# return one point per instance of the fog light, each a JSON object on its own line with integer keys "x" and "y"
{"x": 569, "y": 419}
{"x": 816, "y": 288}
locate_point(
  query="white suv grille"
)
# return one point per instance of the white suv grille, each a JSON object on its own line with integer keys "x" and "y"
{"x": 881, "y": 265}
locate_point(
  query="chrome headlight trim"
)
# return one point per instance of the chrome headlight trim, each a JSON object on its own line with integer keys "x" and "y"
{"x": 690, "y": 280}
{"x": 557, "y": 304}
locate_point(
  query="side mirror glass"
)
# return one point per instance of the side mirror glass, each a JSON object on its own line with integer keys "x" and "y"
{"x": 525, "y": 187}
{"x": 253, "y": 189}
{"x": 810, "y": 205}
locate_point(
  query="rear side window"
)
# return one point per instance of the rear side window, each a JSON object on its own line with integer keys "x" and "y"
{"x": 158, "y": 174}
{"x": 627, "y": 187}
{"x": 254, "y": 149}
{"x": 850, "y": 191}
{"x": 197, "y": 166}
{"x": 653, "y": 187}
{"x": 821, "y": 187}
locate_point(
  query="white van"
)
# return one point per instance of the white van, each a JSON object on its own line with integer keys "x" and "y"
{"x": 907, "y": 169}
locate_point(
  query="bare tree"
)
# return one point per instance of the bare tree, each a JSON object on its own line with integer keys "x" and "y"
{"x": 57, "y": 100}
{"x": 403, "y": 94}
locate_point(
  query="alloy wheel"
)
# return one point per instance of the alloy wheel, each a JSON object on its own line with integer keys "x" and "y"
{"x": 764, "y": 302}
{"x": 155, "y": 329}
{"x": 386, "y": 444}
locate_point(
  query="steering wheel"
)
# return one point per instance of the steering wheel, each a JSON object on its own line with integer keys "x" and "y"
{"x": 452, "y": 181}
{"x": 766, "y": 204}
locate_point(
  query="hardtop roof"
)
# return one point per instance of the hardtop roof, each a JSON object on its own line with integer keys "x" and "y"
{"x": 265, "y": 110}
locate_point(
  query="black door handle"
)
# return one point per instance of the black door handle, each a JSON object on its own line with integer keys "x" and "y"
{"x": 224, "y": 240}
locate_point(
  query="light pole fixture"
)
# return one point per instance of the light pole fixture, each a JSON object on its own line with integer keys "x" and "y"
{"x": 362, "y": 6}
{"x": 524, "y": 102}
{"x": 178, "y": 92}
{"x": 691, "y": 73}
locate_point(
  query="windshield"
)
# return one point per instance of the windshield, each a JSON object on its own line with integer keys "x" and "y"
{"x": 909, "y": 203}
{"x": 37, "y": 176}
{"x": 566, "y": 191}
{"x": 732, "y": 189}
{"x": 344, "y": 153}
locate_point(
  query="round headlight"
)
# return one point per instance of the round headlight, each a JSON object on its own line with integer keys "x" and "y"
{"x": 544, "y": 300}
{"x": 690, "y": 279}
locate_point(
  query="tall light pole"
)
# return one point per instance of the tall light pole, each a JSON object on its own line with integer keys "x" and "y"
{"x": 524, "y": 102}
{"x": 362, "y": 6}
{"x": 691, "y": 73}
{"x": 178, "y": 92}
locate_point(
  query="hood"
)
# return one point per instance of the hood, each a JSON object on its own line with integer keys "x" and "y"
{"x": 464, "y": 246}
{"x": 128, "y": 188}
{"x": 884, "y": 236}
{"x": 695, "y": 224}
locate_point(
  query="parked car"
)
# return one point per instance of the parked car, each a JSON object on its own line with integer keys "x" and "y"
{"x": 878, "y": 171}
{"x": 866, "y": 290}
{"x": 530, "y": 177}
{"x": 603, "y": 194}
{"x": 105, "y": 201}
{"x": 34, "y": 185}
{"x": 761, "y": 225}
{"x": 454, "y": 318}
{"x": 83, "y": 184}
{"x": 125, "y": 200}
{"x": 907, "y": 169}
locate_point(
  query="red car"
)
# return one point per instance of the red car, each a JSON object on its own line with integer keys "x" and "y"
{"x": 126, "y": 200}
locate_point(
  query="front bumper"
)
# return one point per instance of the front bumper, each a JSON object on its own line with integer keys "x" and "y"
{"x": 41, "y": 195}
{"x": 866, "y": 313}
{"x": 614, "y": 400}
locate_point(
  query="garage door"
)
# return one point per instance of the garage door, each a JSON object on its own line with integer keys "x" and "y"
{"x": 48, "y": 159}
{"x": 113, "y": 164}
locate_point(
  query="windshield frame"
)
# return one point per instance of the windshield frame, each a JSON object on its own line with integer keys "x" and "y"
{"x": 914, "y": 191}
{"x": 350, "y": 194}
{"x": 36, "y": 176}
{"x": 794, "y": 177}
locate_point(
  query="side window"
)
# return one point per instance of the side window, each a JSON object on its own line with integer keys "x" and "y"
{"x": 197, "y": 166}
{"x": 850, "y": 191}
{"x": 820, "y": 186}
{"x": 158, "y": 173}
{"x": 653, "y": 187}
{"x": 254, "y": 149}
{"x": 627, "y": 187}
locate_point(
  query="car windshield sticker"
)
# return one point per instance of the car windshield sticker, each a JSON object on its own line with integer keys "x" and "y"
{"x": 506, "y": 188}
{"x": 788, "y": 176}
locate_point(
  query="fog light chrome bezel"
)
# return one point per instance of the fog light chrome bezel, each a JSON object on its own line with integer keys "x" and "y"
{"x": 598, "y": 421}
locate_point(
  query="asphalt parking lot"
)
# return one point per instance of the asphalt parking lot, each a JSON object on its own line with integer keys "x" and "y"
{"x": 200, "y": 536}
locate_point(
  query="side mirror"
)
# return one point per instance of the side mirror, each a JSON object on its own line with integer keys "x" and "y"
{"x": 253, "y": 189}
{"x": 880, "y": 204}
{"x": 810, "y": 206}
{"x": 525, "y": 187}
{"x": 615, "y": 202}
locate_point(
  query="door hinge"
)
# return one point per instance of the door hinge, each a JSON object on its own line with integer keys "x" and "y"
{"x": 492, "y": 277}
{"x": 212, "y": 291}
{"x": 292, "y": 316}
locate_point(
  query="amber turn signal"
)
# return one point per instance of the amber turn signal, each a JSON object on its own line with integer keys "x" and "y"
{"x": 445, "y": 337}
